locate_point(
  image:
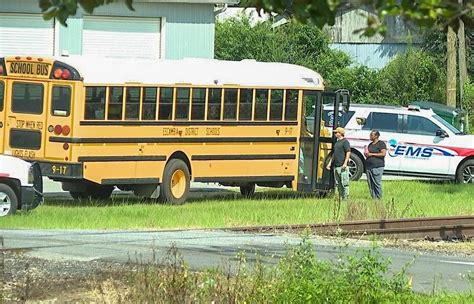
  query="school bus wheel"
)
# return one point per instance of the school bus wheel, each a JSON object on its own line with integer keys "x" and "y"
{"x": 176, "y": 182}
{"x": 8, "y": 200}
{"x": 247, "y": 190}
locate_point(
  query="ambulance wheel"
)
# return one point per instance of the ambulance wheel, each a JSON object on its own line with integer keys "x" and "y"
{"x": 247, "y": 190}
{"x": 465, "y": 173}
{"x": 356, "y": 167}
{"x": 176, "y": 182}
{"x": 8, "y": 200}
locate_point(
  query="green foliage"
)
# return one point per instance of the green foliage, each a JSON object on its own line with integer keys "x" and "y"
{"x": 62, "y": 9}
{"x": 299, "y": 277}
{"x": 294, "y": 43}
{"x": 424, "y": 13}
{"x": 412, "y": 76}
{"x": 468, "y": 103}
{"x": 363, "y": 83}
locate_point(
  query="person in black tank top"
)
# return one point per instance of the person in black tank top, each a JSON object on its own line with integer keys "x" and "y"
{"x": 375, "y": 163}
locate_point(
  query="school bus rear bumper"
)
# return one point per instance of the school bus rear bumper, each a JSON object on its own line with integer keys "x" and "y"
{"x": 61, "y": 170}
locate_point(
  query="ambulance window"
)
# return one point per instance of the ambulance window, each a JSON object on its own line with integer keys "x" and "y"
{"x": 387, "y": 122}
{"x": 421, "y": 126}
{"x": 61, "y": 104}
{"x": 328, "y": 117}
{"x": 27, "y": 98}
{"x": 2, "y": 94}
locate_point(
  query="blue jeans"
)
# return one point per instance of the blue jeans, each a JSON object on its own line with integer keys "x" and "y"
{"x": 374, "y": 179}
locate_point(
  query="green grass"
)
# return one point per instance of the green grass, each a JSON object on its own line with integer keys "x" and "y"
{"x": 401, "y": 199}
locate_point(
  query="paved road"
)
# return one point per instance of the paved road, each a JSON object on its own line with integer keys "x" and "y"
{"x": 204, "y": 249}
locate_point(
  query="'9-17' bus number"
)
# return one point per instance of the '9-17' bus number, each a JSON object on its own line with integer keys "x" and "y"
{"x": 57, "y": 169}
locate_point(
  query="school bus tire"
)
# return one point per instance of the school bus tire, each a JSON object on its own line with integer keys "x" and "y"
{"x": 176, "y": 182}
{"x": 8, "y": 200}
{"x": 247, "y": 190}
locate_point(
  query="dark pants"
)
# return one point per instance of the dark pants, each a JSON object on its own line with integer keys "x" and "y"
{"x": 374, "y": 179}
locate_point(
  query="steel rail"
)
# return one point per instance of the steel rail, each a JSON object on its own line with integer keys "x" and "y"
{"x": 433, "y": 228}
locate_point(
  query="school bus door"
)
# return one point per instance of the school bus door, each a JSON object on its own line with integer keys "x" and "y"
{"x": 315, "y": 149}
{"x": 25, "y": 115}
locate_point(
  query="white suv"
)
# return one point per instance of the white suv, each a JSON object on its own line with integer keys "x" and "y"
{"x": 419, "y": 142}
{"x": 21, "y": 185}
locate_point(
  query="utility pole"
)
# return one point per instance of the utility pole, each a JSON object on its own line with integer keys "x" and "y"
{"x": 463, "y": 77}
{"x": 451, "y": 68}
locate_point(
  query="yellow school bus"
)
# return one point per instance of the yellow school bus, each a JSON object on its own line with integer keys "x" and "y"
{"x": 153, "y": 127}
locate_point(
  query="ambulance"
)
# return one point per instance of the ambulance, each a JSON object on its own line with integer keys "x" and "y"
{"x": 420, "y": 143}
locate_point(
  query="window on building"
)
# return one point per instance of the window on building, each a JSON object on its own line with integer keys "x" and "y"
{"x": 166, "y": 103}
{"x": 132, "y": 103}
{"x": 61, "y": 103}
{"x": 261, "y": 104}
{"x": 230, "y": 104}
{"x": 198, "y": 104}
{"x": 214, "y": 104}
{"x": 387, "y": 122}
{"x": 421, "y": 126}
{"x": 27, "y": 98}
{"x": 291, "y": 105}
{"x": 245, "y": 104}
{"x": 115, "y": 103}
{"x": 95, "y": 103}
{"x": 276, "y": 105}
{"x": 182, "y": 103}
{"x": 149, "y": 104}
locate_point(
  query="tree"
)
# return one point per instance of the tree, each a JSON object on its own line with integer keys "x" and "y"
{"x": 424, "y": 13}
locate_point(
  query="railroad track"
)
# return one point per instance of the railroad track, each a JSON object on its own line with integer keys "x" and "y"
{"x": 432, "y": 228}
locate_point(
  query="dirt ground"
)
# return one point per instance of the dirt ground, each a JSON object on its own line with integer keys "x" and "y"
{"x": 30, "y": 280}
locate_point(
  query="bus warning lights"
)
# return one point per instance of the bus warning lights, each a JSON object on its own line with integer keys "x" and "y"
{"x": 1, "y": 69}
{"x": 64, "y": 130}
{"x": 64, "y": 74}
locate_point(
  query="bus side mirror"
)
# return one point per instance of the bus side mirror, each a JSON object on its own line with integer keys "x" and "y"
{"x": 344, "y": 99}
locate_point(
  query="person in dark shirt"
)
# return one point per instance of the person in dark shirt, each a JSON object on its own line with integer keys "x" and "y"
{"x": 375, "y": 163}
{"x": 340, "y": 158}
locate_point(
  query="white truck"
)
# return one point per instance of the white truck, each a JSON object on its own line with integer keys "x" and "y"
{"x": 21, "y": 185}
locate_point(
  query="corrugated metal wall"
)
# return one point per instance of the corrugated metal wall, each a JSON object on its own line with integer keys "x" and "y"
{"x": 188, "y": 29}
{"x": 376, "y": 51}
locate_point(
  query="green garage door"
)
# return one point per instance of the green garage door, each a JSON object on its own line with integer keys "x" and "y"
{"x": 26, "y": 34}
{"x": 121, "y": 37}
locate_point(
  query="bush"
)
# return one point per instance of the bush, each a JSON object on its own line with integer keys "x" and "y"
{"x": 412, "y": 76}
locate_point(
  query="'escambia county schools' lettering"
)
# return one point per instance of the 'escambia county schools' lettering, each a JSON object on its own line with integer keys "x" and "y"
{"x": 29, "y": 68}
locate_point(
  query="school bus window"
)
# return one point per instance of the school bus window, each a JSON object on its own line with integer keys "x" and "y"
{"x": 166, "y": 104}
{"x": 61, "y": 103}
{"x": 132, "y": 103}
{"x": 149, "y": 104}
{"x": 27, "y": 98}
{"x": 115, "y": 103}
{"x": 276, "y": 105}
{"x": 261, "y": 104}
{"x": 182, "y": 103}
{"x": 291, "y": 106}
{"x": 2, "y": 94}
{"x": 214, "y": 104}
{"x": 230, "y": 104}
{"x": 199, "y": 104}
{"x": 95, "y": 103}
{"x": 245, "y": 105}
